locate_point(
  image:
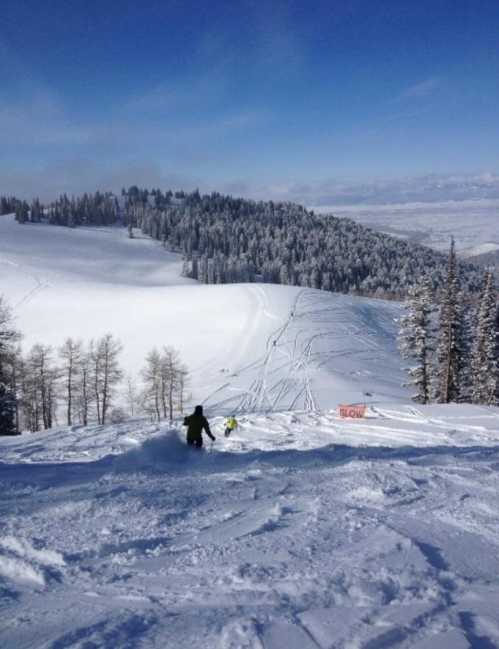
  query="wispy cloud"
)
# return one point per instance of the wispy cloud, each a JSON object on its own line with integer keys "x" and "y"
{"x": 421, "y": 89}
{"x": 431, "y": 188}
{"x": 170, "y": 97}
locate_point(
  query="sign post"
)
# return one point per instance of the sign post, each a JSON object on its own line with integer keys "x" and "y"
{"x": 352, "y": 411}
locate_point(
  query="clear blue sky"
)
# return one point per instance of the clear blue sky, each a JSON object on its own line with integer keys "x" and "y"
{"x": 263, "y": 98}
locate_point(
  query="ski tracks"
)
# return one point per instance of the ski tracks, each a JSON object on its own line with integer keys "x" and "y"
{"x": 345, "y": 547}
{"x": 319, "y": 336}
{"x": 40, "y": 285}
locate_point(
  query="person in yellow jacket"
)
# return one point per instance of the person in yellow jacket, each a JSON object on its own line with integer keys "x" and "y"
{"x": 230, "y": 425}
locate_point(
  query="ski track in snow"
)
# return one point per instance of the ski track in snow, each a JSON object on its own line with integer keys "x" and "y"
{"x": 302, "y": 530}
{"x": 328, "y": 348}
{"x": 317, "y": 334}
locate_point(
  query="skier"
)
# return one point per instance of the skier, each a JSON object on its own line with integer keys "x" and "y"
{"x": 195, "y": 424}
{"x": 230, "y": 425}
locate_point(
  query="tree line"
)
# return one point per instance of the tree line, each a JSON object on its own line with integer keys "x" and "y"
{"x": 452, "y": 341}
{"x": 81, "y": 383}
{"x": 225, "y": 240}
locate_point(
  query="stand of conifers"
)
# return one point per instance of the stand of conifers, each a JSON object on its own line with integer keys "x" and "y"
{"x": 452, "y": 340}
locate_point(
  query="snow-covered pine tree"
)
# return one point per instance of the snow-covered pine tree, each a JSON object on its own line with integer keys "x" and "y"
{"x": 7, "y": 351}
{"x": 451, "y": 336}
{"x": 485, "y": 367}
{"x": 497, "y": 354}
{"x": 466, "y": 314}
{"x": 416, "y": 338}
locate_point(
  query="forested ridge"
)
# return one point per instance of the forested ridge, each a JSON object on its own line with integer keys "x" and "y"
{"x": 225, "y": 240}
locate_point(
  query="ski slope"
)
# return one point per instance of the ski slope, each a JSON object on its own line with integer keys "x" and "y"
{"x": 302, "y": 530}
{"x": 85, "y": 282}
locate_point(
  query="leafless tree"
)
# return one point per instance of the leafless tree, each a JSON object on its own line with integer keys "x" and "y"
{"x": 131, "y": 395}
{"x": 151, "y": 375}
{"x": 71, "y": 354}
{"x": 165, "y": 378}
{"x": 40, "y": 387}
{"x": 106, "y": 372}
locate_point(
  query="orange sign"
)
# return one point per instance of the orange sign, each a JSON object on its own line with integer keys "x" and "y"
{"x": 354, "y": 411}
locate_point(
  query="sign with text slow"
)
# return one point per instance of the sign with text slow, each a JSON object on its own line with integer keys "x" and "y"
{"x": 355, "y": 411}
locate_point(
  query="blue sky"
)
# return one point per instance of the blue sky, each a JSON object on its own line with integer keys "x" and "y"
{"x": 266, "y": 99}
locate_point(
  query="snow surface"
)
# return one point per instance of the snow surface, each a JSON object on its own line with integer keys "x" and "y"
{"x": 301, "y": 530}
{"x": 482, "y": 249}
{"x": 470, "y": 222}
{"x": 85, "y": 282}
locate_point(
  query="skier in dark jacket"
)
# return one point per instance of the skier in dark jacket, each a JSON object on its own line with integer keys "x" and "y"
{"x": 195, "y": 424}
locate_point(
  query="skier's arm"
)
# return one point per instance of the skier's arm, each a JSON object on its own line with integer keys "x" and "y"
{"x": 206, "y": 427}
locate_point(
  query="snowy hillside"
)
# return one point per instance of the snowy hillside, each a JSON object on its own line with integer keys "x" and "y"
{"x": 85, "y": 282}
{"x": 302, "y": 531}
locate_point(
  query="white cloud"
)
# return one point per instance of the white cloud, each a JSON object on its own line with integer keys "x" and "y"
{"x": 421, "y": 89}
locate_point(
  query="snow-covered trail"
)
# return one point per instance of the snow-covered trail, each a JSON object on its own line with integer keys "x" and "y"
{"x": 300, "y": 530}
{"x": 324, "y": 350}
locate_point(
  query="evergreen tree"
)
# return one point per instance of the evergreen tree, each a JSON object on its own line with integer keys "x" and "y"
{"x": 497, "y": 354}
{"x": 467, "y": 317}
{"x": 415, "y": 338}
{"x": 451, "y": 336}
{"x": 485, "y": 367}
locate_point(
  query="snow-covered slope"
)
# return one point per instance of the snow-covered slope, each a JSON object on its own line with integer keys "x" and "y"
{"x": 83, "y": 283}
{"x": 301, "y": 530}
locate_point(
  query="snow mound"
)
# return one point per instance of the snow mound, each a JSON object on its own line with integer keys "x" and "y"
{"x": 21, "y": 562}
{"x": 165, "y": 450}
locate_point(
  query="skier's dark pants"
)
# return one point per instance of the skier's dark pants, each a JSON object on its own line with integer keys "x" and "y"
{"x": 197, "y": 442}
